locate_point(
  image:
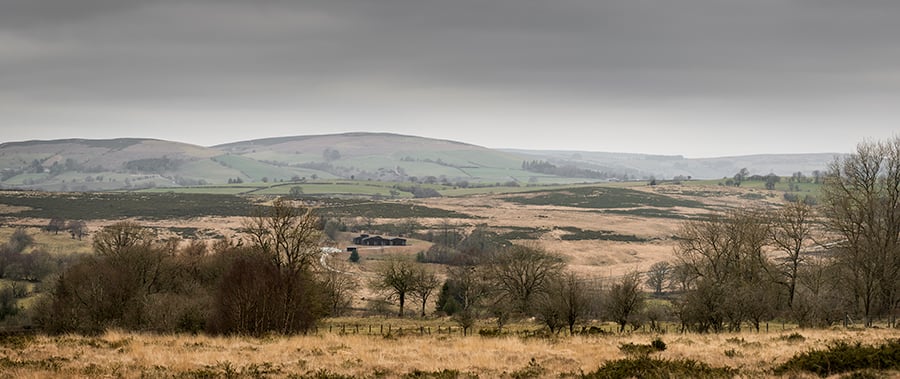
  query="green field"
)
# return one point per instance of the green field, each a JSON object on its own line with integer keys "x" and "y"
{"x": 782, "y": 186}
{"x": 256, "y": 170}
{"x": 341, "y": 188}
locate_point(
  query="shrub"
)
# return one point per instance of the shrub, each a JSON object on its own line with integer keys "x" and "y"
{"x": 442, "y": 374}
{"x": 489, "y": 333}
{"x": 532, "y": 370}
{"x": 645, "y": 367}
{"x": 641, "y": 350}
{"x": 658, "y": 344}
{"x": 842, "y": 357}
{"x": 793, "y": 337}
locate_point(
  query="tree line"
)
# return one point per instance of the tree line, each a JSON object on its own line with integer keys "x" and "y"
{"x": 813, "y": 263}
{"x": 817, "y": 265}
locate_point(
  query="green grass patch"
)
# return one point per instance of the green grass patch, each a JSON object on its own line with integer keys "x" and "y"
{"x": 346, "y": 188}
{"x": 204, "y": 190}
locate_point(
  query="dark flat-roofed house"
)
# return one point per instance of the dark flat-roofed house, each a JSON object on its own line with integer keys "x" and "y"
{"x": 367, "y": 240}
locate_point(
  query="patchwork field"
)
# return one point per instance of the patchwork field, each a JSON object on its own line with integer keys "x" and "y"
{"x": 602, "y": 230}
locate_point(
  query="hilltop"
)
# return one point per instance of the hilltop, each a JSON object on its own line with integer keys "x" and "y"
{"x": 134, "y": 163}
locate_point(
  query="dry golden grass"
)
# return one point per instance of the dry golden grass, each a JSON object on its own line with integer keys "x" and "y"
{"x": 131, "y": 355}
{"x": 61, "y": 243}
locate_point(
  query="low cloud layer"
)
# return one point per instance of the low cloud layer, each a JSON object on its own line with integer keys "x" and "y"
{"x": 693, "y": 77}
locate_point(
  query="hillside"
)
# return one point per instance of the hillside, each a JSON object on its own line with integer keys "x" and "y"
{"x": 669, "y": 166}
{"x": 132, "y": 163}
{"x": 389, "y": 157}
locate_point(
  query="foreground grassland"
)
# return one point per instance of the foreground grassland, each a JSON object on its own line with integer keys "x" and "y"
{"x": 333, "y": 355}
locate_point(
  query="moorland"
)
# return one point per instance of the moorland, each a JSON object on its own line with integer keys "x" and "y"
{"x": 611, "y": 237}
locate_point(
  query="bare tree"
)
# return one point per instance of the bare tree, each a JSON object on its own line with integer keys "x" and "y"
{"x": 726, "y": 256}
{"x": 277, "y": 284}
{"x": 114, "y": 239}
{"x": 624, "y": 300}
{"x": 791, "y": 232}
{"x": 426, "y": 283}
{"x": 56, "y": 224}
{"x": 566, "y": 302}
{"x": 77, "y": 229}
{"x": 519, "y": 273}
{"x": 286, "y": 234}
{"x": 466, "y": 288}
{"x": 338, "y": 288}
{"x": 397, "y": 279}
{"x": 658, "y": 276}
{"x": 861, "y": 201}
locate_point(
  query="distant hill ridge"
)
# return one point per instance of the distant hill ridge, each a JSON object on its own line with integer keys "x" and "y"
{"x": 93, "y": 164}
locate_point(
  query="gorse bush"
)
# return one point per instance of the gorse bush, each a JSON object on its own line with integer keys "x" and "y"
{"x": 641, "y": 350}
{"x": 842, "y": 357}
{"x": 648, "y": 368}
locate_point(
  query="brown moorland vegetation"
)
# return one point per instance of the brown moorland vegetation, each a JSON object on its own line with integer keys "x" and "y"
{"x": 333, "y": 355}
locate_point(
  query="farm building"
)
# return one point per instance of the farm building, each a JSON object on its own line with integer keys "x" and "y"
{"x": 367, "y": 240}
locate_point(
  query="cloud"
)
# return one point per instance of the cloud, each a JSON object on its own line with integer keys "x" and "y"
{"x": 421, "y": 61}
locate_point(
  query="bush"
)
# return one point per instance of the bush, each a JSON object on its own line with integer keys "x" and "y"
{"x": 490, "y": 332}
{"x": 645, "y": 367}
{"x": 793, "y": 337}
{"x": 842, "y": 357}
{"x": 643, "y": 350}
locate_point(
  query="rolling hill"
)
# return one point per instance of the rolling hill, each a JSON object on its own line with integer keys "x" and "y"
{"x": 132, "y": 163}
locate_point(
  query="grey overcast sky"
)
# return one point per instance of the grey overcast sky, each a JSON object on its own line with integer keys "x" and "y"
{"x": 691, "y": 77}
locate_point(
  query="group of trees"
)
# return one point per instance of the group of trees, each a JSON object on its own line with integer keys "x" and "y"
{"x": 489, "y": 278}
{"x": 135, "y": 281}
{"x": 24, "y": 266}
{"x": 566, "y": 170}
{"x": 76, "y": 228}
{"x": 743, "y": 175}
{"x": 817, "y": 265}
